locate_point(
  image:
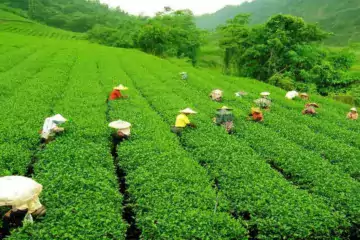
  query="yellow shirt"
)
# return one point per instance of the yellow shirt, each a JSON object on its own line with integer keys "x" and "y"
{"x": 182, "y": 120}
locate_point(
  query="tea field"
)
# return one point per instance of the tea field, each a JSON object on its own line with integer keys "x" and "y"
{"x": 291, "y": 177}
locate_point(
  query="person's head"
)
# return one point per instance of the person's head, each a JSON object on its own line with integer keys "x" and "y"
{"x": 120, "y": 133}
{"x": 120, "y": 88}
{"x": 255, "y": 110}
{"x": 353, "y": 110}
{"x": 121, "y": 127}
{"x": 265, "y": 94}
{"x": 187, "y": 111}
{"x": 224, "y": 109}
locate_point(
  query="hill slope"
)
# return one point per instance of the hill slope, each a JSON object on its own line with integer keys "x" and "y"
{"x": 340, "y": 17}
{"x": 10, "y": 22}
{"x": 293, "y": 176}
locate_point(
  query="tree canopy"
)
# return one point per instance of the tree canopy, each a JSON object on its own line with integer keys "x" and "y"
{"x": 340, "y": 17}
{"x": 284, "y": 51}
{"x": 172, "y": 33}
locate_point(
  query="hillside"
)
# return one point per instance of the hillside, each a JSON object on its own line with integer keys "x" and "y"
{"x": 291, "y": 177}
{"x": 10, "y": 22}
{"x": 340, "y": 17}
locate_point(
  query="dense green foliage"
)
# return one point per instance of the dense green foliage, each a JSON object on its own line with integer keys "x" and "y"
{"x": 339, "y": 17}
{"x": 80, "y": 187}
{"x": 73, "y": 15}
{"x": 171, "y": 33}
{"x": 291, "y": 177}
{"x": 285, "y": 53}
{"x": 10, "y": 22}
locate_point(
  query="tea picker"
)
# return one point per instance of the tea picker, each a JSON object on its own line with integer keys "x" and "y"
{"x": 116, "y": 92}
{"x": 224, "y": 117}
{"x": 240, "y": 94}
{"x": 184, "y": 75}
{"x": 304, "y": 96}
{"x": 216, "y": 95}
{"x": 121, "y": 133}
{"x": 264, "y": 102}
{"x": 291, "y": 95}
{"x": 183, "y": 121}
{"x": 256, "y": 115}
{"x": 353, "y": 114}
{"x": 50, "y": 128}
{"x": 22, "y": 194}
{"x": 310, "y": 109}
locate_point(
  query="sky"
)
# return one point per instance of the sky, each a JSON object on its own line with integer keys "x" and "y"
{"x": 150, "y": 7}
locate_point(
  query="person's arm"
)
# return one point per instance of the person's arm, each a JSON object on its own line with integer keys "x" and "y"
{"x": 121, "y": 95}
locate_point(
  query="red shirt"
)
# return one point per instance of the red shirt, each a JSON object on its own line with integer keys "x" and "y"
{"x": 115, "y": 94}
{"x": 257, "y": 116}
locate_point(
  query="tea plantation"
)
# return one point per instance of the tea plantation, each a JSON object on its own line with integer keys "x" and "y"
{"x": 291, "y": 177}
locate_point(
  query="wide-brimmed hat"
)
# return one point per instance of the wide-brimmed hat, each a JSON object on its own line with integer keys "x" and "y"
{"x": 353, "y": 109}
{"x": 121, "y": 87}
{"x": 304, "y": 94}
{"x": 257, "y": 110}
{"x": 265, "y": 94}
{"x": 217, "y": 91}
{"x": 188, "y": 110}
{"x": 58, "y": 119}
{"x": 119, "y": 124}
{"x": 224, "y": 108}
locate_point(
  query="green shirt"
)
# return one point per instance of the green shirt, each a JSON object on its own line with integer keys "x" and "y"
{"x": 223, "y": 116}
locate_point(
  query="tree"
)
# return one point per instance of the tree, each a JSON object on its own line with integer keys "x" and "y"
{"x": 171, "y": 33}
{"x": 284, "y": 49}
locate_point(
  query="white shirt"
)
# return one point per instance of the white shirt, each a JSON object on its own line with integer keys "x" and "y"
{"x": 50, "y": 123}
{"x": 291, "y": 95}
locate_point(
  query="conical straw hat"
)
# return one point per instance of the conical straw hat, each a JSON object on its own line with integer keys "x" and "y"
{"x": 265, "y": 94}
{"x": 217, "y": 91}
{"x": 257, "y": 110}
{"x": 121, "y": 87}
{"x": 119, "y": 124}
{"x": 188, "y": 110}
{"x": 58, "y": 119}
{"x": 224, "y": 108}
{"x": 353, "y": 109}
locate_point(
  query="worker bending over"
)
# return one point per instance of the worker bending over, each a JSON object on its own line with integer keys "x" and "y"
{"x": 240, "y": 94}
{"x": 216, "y": 95}
{"x": 224, "y": 117}
{"x": 116, "y": 92}
{"x": 184, "y": 75}
{"x": 353, "y": 114}
{"x": 310, "y": 109}
{"x": 121, "y": 133}
{"x": 304, "y": 96}
{"x": 183, "y": 121}
{"x": 291, "y": 95}
{"x": 256, "y": 115}
{"x": 264, "y": 102}
{"x": 50, "y": 128}
{"x": 22, "y": 195}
